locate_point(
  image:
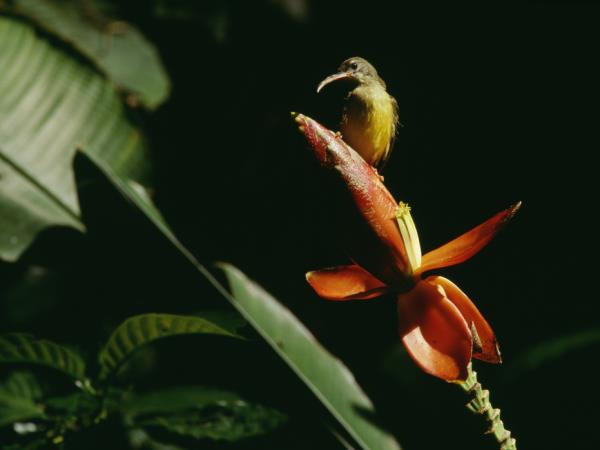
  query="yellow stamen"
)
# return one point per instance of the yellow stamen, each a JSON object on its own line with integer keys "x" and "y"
{"x": 410, "y": 236}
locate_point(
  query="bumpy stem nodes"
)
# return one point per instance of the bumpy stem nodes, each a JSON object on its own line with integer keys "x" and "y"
{"x": 480, "y": 404}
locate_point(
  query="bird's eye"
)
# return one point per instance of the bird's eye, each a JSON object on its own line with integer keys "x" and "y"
{"x": 353, "y": 65}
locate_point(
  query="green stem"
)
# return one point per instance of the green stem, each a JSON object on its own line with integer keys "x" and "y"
{"x": 480, "y": 404}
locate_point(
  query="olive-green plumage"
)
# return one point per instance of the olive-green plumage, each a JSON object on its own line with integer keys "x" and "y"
{"x": 370, "y": 115}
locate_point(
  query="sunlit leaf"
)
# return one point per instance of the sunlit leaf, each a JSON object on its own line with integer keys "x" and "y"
{"x": 116, "y": 47}
{"x": 50, "y": 104}
{"x": 23, "y": 348}
{"x": 18, "y": 398}
{"x": 325, "y": 375}
{"x": 140, "y": 330}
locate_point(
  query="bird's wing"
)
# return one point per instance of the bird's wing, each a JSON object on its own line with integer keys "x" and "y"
{"x": 395, "y": 122}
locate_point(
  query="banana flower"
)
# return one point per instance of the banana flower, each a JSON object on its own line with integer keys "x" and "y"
{"x": 439, "y": 325}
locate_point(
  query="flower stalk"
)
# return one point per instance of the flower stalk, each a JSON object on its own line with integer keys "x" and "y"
{"x": 480, "y": 404}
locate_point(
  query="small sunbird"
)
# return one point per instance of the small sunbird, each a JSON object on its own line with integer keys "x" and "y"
{"x": 369, "y": 115}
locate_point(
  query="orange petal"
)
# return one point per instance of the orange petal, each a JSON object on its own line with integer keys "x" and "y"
{"x": 345, "y": 283}
{"x": 434, "y": 332}
{"x": 489, "y": 350}
{"x": 467, "y": 245}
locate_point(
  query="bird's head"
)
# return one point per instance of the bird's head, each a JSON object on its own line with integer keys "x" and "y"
{"x": 355, "y": 70}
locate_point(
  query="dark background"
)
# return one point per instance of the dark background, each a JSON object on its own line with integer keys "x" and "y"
{"x": 499, "y": 104}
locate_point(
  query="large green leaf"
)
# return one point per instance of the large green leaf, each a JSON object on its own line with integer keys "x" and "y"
{"x": 326, "y": 376}
{"x": 140, "y": 330}
{"x": 50, "y": 104}
{"x": 18, "y": 398}
{"x": 23, "y": 348}
{"x": 117, "y": 48}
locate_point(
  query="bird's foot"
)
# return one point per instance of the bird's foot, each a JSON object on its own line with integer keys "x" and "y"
{"x": 378, "y": 174}
{"x": 338, "y": 135}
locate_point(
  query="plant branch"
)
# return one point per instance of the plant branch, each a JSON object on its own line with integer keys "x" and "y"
{"x": 480, "y": 404}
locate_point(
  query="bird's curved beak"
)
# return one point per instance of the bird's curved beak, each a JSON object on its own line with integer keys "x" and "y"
{"x": 335, "y": 77}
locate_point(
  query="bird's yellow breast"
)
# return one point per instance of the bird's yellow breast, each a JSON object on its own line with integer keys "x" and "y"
{"x": 369, "y": 122}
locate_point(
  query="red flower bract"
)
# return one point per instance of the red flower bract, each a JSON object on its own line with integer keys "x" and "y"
{"x": 439, "y": 325}
{"x": 364, "y": 208}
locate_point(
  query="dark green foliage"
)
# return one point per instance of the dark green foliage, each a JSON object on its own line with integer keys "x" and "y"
{"x": 19, "y": 394}
{"x": 498, "y": 103}
{"x": 194, "y": 412}
{"x": 199, "y": 413}
{"x": 140, "y": 330}
{"x": 24, "y": 349}
{"x": 228, "y": 421}
{"x": 327, "y": 377}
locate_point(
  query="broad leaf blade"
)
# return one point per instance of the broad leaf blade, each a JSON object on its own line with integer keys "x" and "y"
{"x": 324, "y": 374}
{"x": 51, "y": 103}
{"x": 329, "y": 379}
{"x": 23, "y": 348}
{"x": 118, "y": 49}
{"x": 27, "y": 208}
{"x": 140, "y": 330}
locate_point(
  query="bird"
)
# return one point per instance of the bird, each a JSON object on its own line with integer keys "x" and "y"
{"x": 369, "y": 116}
